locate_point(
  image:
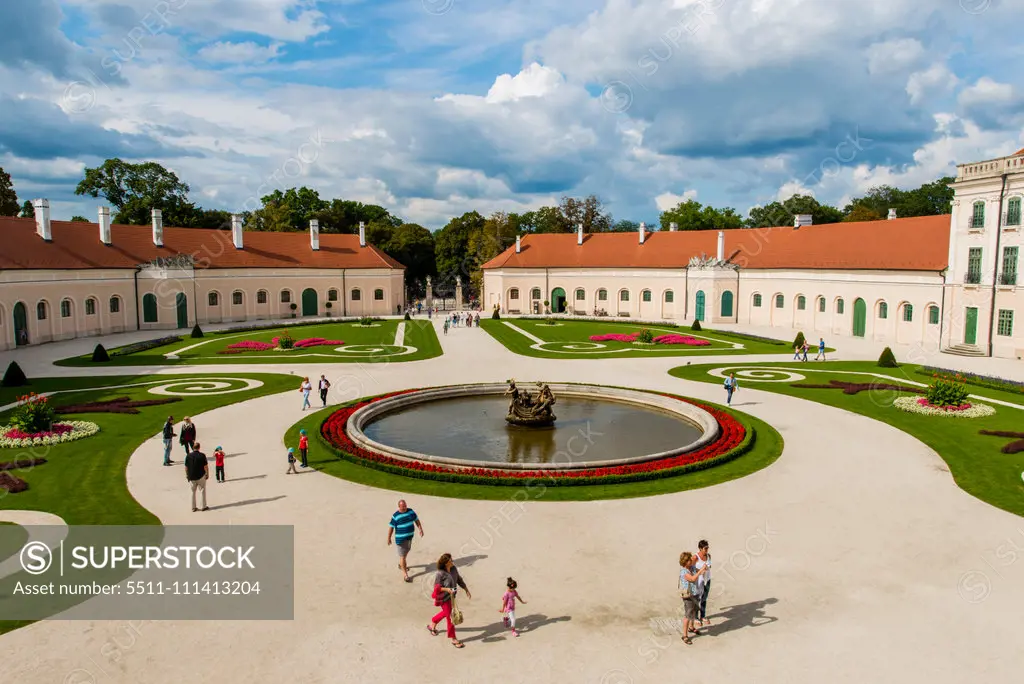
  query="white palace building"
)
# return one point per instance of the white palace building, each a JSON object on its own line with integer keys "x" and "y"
{"x": 938, "y": 282}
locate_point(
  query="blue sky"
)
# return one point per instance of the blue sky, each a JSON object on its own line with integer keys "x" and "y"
{"x": 436, "y": 107}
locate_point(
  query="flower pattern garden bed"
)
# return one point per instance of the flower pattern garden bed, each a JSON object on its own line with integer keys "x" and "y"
{"x": 254, "y": 345}
{"x": 60, "y": 433}
{"x": 921, "y": 405}
{"x": 631, "y": 338}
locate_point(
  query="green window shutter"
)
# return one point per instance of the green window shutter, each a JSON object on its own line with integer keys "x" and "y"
{"x": 1005, "y": 328}
{"x": 840, "y": 306}
{"x": 883, "y": 310}
{"x": 974, "y": 265}
{"x": 933, "y": 315}
{"x": 1013, "y": 212}
{"x": 669, "y": 297}
{"x": 1009, "y": 275}
{"x": 647, "y": 295}
{"x": 780, "y": 301}
{"x": 801, "y": 302}
{"x": 821, "y": 304}
{"x": 757, "y": 300}
{"x": 978, "y": 217}
{"x": 908, "y": 313}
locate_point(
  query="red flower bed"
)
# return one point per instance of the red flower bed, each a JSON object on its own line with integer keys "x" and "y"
{"x": 252, "y": 345}
{"x": 961, "y": 407}
{"x": 55, "y": 431}
{"x": 732, "y": 441}
{"x": 317, "y": 342}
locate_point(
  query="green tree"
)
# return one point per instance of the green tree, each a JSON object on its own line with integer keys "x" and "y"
{"x": 413, "y": 246}
{"x": 862, "y": 213}
{"x": 217, "y": 219}
{"x": 270, "y": 218}
{"x": 625, "y": 226}
{"x": 930, "y": 199}
{"x": 27, "y": 210}
{"x": 8, "y": 198}
{"x": 589, "y": 211}
{"x": 79, "y": 219}
{"x": 451, "y": 247}
{"x": 302, "y": 204}
{"x": 782, "y": 213}
{"x": 692, "y": 215}
{"x": 136, "y": 189}
{"x": 487, "y": 241}
{"x": 343, "y": 216}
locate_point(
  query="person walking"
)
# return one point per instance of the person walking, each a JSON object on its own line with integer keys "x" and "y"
{"x": 796, "y": 352}
{"x": 325, "y": 385}
{"x": 168, "y": 439}
{"x": 188, "y": 435}
{"x": 508, "y": 604}
{"x": 291, "y": 462}
{"x": 446, "y": 584}
{"x": 703, "y": 562}
{"x": 446, "y": 326}
{"x": 218, "y": 462}
{"x": 403, "y": 526}
{"x": 689, "y": 575}
{"x": 821, "y": 349}
{"x": 806, "y": 347}
{"x": 303, "y": 447}
{"x": 306, "y": 387}
{"x": 197, "y": 472}
{"x": 730, "y": 387}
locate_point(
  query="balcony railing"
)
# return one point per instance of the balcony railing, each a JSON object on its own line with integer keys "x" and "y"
{"x": 1008, "y": 278}
{"x": 977, "y": 223}
{"x": 972, "y": 278}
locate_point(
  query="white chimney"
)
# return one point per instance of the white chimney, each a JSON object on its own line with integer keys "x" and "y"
{"x": 362, "y": 234}
{"x": 158, "y": 228}
{"x": 643, "y": 232}
{"x": 579, "y": 234}
{"x": 721, "y": 245}
{"x": 800, "y": 220}
{"x": 42, "y": 208}
{"x": 673, "y": 227}
{"x": 519, "y": 244}
{"x": 314, "y": 234}
{"x": 892, "y": 214}
{"x": 105, "y": 225}
{"x": 236, "y": 231}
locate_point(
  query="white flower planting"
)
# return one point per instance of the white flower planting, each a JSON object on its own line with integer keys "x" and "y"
{"x": 912, "y": 405}
{"x": 80, "y": 429}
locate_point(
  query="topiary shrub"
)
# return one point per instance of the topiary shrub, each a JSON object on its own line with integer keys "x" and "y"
{"x": 99, "y": 354}
{"x": 696, "y": 326}
{"x": 407, "y": 316}
{"x": 14, "y": 377}
{"x": 645, "y": 336}
{"x": 800, "y": 341}
{"x": 197, "y": 332}
{"x": 495, "y": 315}
{"x": 887, "y": 359}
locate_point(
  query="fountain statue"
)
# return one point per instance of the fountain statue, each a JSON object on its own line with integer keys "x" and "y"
{"x": 527, "y": 411}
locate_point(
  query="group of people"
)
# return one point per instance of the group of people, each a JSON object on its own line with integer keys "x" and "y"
{"x": 306, "y": 388}
{"x": 461, "y": 318}
{"x": 447, "y": 579}
{"x": 694, "y": 588}
{"x": 197, "y": 465}
{"x": 800, "y": 350}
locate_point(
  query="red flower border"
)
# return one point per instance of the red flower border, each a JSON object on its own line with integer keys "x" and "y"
{"x": 734, "y": 440}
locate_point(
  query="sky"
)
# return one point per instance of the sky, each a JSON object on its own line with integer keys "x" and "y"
{"x": 432, "y": 108}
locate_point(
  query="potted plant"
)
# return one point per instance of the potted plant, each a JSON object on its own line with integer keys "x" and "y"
{"x": 328, "y": 307}
{"x": 546, "y": 305}
{"x": 293, "y": 306}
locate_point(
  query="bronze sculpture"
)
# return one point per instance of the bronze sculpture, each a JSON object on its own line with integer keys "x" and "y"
{"x": 525, "y": 410}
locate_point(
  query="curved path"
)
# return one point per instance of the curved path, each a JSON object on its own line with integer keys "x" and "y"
{"x": 54, "y": 533}
{"x": 854, "y": 557}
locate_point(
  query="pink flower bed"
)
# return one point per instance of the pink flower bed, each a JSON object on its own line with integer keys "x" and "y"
{"x": 317, "y": 342}
{"x": 56, "y": 430}
{"x": 252, "y": 345}
{"x": 614, "y": 337}
{"x": 924, "y": 402}
{"x": 675, "y": 338}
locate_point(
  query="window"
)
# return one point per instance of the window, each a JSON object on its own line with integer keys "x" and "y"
{"x": 933, "y": 315}
{"x": 213, "y": 299}
{"x": 581, "y": 296}
{"x": 646, "y": 295}
{"x": 757, "y": 301}
{"x": 513, "y": 293}
{"x": 115, "y": 305}
{"x": 602, "y": 295}
{"x": 883, "y": 310}
{"x": 908, "y": 313}
{"x": 286, "y": 296}
{"x": 1013, "y": 211}
{"x": 1005, "y": 323}
{"x": 669, "y": 297}
{"x": 624, "y": 296}
{"x": 821, "y": 304}
{"x": 780, "y": 301}
{"x": 356, "y": 295}
{"x": 41, "y": 311}
{"x": 974, "y": 265}
{"x": 535, "y": 293}
{"x": 90, "y": 307}
{"x": 261, "y": 297}
{"x": 801, "y": 303}
{"x": 332, "y": 295}
{"x": 236, "y": 298}
{"x": 840, "y": 306}
{"x": 149, "y": 308}
{"x": 378, "y": 295}
{"x": 978, "y": 217}
{"x": 65, "y": 308}
{"x": 1009, "y": 274}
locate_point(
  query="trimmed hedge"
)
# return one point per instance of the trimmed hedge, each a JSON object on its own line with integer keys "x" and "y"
{"x": 753, "y": 338}
{"x": 99, "y": 354}
{"x": 800, "y": 340}
{"x": 887, "y": 359}
{"x": 197, "y": 332}
{"x": 145, "y": 345}
{"x": 14, "y": 377}
{"x": 696, "y": 326}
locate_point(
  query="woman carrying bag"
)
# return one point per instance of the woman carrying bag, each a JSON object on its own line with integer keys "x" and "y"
{"x": 688, "y": 591}
{"x": 446, "y": 584}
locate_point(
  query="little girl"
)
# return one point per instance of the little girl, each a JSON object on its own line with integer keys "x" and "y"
{"x": 508, "y": 605}
{"x": 291, "y": 462}
{"x": 218, "y": 459}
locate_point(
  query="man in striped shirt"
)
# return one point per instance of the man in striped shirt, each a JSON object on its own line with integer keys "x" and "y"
{"x": 402, "y": 527}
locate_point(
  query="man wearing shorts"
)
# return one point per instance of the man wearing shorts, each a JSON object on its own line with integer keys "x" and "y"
{"x": 402, "y": 527}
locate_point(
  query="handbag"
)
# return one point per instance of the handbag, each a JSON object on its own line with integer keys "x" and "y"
{"x": 456, "y": 613}
{"x": 684, "y": 592}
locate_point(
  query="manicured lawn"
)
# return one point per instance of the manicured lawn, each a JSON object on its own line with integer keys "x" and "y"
{"x": 975, "y": 461}
{"x": 373, "y": 344}
{"x": 12, "y": 539}
{"x": 569, "y": 339}
{"x": 767, "y": 448}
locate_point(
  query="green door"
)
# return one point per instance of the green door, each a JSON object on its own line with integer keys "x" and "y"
{"x": 558, "y": 300}
{"x": 309, "y": 307}
{"x": 181, "y": 305}
{"x": 699, "y": 312}
{"x": 20, "y": 325}
{"x": 971, "y": 326}
{"x": 727, "y": 304}
{"x": 860, "y": 317}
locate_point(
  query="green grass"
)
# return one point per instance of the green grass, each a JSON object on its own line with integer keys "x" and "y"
{"x": 569, "y": 332}
{"x": 975, "y": 461}
{"x": 12, "y": 538}
{"x": 767, "y": 448}
{"x": 381, "y": 336}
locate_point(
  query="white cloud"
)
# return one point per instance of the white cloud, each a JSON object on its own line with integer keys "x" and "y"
{"x": 533, "y": 81}
{"x": 668, "y": 200}
{"x": 986, "y": 92}
{"x": 936, "y": 79}
{"x": 894, "y": 55}
{"x": 247, "y": 52}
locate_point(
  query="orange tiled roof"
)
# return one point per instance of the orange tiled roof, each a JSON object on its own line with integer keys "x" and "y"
{"x": 1018, "y": 152}
{"x": 77, "y": 245}
{"x": 910, "y": 244}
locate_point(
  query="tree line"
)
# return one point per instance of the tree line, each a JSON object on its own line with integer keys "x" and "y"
{"x": 465, "y": 242}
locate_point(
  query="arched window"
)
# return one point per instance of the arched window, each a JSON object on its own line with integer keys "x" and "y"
{"x": 213, "y": 299}
{"x": 757, "y": 301}
{"x": 669, "y": 297}
{"x": 624, "y": 296}
{"x": 41, "y": 311}
{"x": 801, "y": 303}
{"x": 90, "y": 307}
{"x": 602, "y": 295}
{"x": 65, "y": 308}
{"x": 908, "y": 313}
{"x": 645, "y": 295}
{"x": 978, "y": 215}
{"x": 581, "y": 296}
{"x": 535, "y": 293}
{"x": 149, "y": 308}
{"x": 356, "y": 295}
{"x": 933, "y": 315}
{"x": 883, "y": 310}
{"x": 261, "y": 297}
{"x": 236, "y": 298}
{"x": 780, "y": 301}
{"x": 378, "y": 295}
{"x": 115, "y": 304}
{"x": 840, "y": 306}
{"x": 513, "y": 293}
{"x": 821, "y": 304}
{"x": 332, "y": 295}
{"x": 286, "y": 296}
